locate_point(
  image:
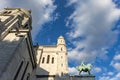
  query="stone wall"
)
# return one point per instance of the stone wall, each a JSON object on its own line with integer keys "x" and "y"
{"x": 17, "y": 56}
{"x": 52, "y": 61}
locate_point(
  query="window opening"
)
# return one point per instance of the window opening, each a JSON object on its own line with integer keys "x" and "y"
{"x": 28, "y": 76}
{"x": 5, "y": 12}
{"x": 52, "y": 60}
{"x": 62, "y": 73}
{"x": 18, "y": 71}
{"x": 26, "y": 67}
{"x": 9, "y": 12}
{"x": 62, "y": 65}
{"x": 61, "y": 49}
{"x": 48, "y": 57}
{"x": 43, "y": 60}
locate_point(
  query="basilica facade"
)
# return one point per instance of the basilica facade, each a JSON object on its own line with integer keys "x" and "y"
{"x": 52, "y": 61}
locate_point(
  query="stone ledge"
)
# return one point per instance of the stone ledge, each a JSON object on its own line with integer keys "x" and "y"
{"x": 82, "y": 77}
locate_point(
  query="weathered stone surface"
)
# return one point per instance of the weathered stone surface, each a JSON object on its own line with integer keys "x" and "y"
{"x": 17, "y": 58}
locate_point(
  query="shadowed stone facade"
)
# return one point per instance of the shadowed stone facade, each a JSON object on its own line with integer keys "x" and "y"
{"x": 17, "y": 56}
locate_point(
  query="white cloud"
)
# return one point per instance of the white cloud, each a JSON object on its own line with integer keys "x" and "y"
{"x": 73, "y": 71}
{"x": 77, "y": 55}
{"x": 42, "y": 10}
{"x": 104, "y": 78}
{"x": 116, "y": 66}
{"x": 117, "y": 57}
{"x": 96, "y": 70}
{"x": 116, "y": 77}
{"x": 92, "y": 20}
{"x": 110, "y": 73}
{"x": 3, "y": 4}
{"x": 115, "y": 62}
{"x": 71, "y": 2}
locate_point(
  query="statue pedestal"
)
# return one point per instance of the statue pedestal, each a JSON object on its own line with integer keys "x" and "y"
{"x": 82, "y": 77}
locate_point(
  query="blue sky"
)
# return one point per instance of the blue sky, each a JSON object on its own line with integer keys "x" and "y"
{"x": 91, "y": 29}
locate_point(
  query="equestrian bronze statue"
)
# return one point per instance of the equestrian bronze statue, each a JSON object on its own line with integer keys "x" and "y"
{"x": 84, "y": 68}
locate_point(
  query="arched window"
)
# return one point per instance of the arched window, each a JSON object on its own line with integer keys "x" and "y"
{"x": 43, "y": 60}
{"x": 48, "y": 58}
{"x": 52, "y": 60}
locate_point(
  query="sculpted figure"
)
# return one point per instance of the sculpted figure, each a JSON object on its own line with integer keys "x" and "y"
{"x": 84, "y": 68}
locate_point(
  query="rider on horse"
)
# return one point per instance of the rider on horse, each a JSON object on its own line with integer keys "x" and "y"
{"x": 84, "y": 68}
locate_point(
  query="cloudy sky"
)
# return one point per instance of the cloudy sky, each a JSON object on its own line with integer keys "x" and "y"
{"x": 91, "y": 29}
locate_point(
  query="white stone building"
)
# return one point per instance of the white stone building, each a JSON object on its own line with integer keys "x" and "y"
{"x": 52, "y": 61}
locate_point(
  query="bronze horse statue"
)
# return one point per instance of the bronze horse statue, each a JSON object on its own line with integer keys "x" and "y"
{"x": 84, "y": 68}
